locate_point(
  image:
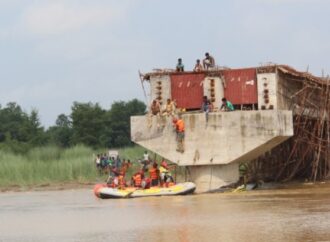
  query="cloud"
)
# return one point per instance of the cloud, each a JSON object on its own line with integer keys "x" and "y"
{"x": 58, "y": 17}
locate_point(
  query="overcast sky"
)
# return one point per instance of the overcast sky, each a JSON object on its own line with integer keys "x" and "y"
{"x": 55, "y": 52}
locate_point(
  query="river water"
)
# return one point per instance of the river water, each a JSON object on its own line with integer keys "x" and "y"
{"x": 301, "y": 213}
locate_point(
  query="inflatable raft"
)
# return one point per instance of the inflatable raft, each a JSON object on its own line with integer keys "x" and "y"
{"x": 103, "y": 191}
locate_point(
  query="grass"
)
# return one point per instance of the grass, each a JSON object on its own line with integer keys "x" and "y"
{"x": 46, "y": 165}
{"x": 52, "y": 165}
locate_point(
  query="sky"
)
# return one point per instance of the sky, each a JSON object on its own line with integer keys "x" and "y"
{"x": 55, "y": 52}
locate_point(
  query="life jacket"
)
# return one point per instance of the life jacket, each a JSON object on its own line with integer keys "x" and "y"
{"x": 180, "y": 125}
{"x": 121, "y": 181}
{"x": 137, "y": 180}
{"x": 153, "y": 173}
{"x": 124, "y": 169}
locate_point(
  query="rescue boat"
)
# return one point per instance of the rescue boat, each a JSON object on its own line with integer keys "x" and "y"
{"x": 104, "y": 191}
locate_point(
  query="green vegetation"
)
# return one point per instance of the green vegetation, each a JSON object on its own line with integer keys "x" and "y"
{"x": 88, "y": 124}
{"x": 47, "y": 165}
{"x": 31, "y": 155}
{"x": 54, "y": 165}
{"x": 51, "y": 165}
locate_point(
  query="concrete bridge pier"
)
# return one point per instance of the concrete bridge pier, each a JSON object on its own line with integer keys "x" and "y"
{"x": 209, "y": 177}
{"x": 214, "y": 147}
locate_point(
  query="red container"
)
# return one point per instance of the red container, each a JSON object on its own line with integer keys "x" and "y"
{"x": 187, "y": 89}
{"x": 241, "y": 86}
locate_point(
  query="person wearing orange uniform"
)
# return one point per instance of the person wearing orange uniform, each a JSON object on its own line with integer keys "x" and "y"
{"x": 137, "y": 179}
{"x": 121, "y": 181}
{"x": 154, "y": 174}
{"x": 125, "y": 166}
{"x": 179, "y": 128}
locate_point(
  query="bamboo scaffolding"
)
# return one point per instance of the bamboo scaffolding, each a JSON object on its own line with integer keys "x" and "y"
{"x": 307, "y": 154}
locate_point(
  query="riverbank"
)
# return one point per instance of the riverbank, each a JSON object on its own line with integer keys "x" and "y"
{"x": 48, "y": 187}
{"x": 48, "y": 168}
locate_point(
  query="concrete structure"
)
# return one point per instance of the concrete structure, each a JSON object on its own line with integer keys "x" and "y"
{"x": 214, "y": 148}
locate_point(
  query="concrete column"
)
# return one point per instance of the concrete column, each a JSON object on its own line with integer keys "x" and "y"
{"x": 209, "y": 177}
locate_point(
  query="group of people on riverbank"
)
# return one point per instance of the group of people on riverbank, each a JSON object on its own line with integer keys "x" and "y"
{"x": 149, "y": 173}
{"x": 105, "y": 162}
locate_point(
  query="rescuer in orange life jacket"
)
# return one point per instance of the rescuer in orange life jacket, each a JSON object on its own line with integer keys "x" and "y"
{"x": 138, "y": 178}
{"x": 118, "y": 180}
{"x": 179, "y": 128}
{"x": 154, "y": 174}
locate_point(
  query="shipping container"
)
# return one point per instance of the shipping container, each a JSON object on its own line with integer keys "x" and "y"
{"x": 187, "y": 89}
{"x": 240, "y": 86}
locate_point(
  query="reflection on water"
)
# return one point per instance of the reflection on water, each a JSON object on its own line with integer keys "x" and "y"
{"x": 294, "y": 214}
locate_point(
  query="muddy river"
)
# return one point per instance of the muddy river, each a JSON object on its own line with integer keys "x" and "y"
{"x": 301, "y": 213}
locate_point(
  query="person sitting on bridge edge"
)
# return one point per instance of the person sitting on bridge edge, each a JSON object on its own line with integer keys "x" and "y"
{"x": 198, "y": 66}
{"x": 169, "y": 109}
{"x": 180, "y": 66}
{"x": 155, "y": 107}
{"x": 154, "y": 111}
{"x": 226, "y": 105}
{"x": 179, "y": 129}
{"x": 208, "y": 61}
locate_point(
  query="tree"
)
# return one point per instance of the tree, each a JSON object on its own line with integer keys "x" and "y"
{"x": 34, "y": 131}
{"x": 61, "y": 133}
{"x": 88, "y": 123}
{"x": 119, "y": 117}
{"x": 97, "y": 127}
{"x": 20, "y": 128}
